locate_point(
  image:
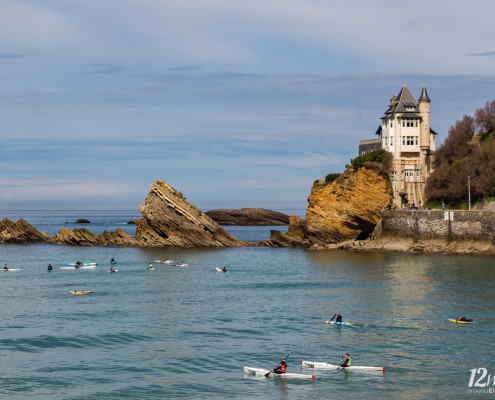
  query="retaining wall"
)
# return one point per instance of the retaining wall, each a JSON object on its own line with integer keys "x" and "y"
{"x": 438, "y": 224}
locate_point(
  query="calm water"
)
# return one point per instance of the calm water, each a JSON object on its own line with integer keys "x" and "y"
{"x": 187, "y": 332}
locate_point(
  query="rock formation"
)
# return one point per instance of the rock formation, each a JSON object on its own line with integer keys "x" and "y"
{"x": 248, "y": 216}
{"x": 83, "y": 237}
{"x": 340, "y": 211}
{"x": 82, "y": 221}
{"x": 170, "y": 220}
{"x": 20, "y": 232}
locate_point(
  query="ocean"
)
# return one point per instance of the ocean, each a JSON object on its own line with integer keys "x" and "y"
{"x": 186, "y": 332}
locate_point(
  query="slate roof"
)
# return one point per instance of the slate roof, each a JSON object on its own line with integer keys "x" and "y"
{"x": 403, "y": 99}
{"x": 424, "y": 95}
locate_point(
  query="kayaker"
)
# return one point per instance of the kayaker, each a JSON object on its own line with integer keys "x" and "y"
{"x": 78, "y": 262}
{"x": 338, "y": 318}
{"x": 111, "y": 269}
{"x": 224, "y": 269}
{"x": 281, "y": 368}
{"x": 464, "y": 319}
{"x": 112, "y": 261}
{"x": 161, "y": 259}
{"x": 50, "y": 268}
{"x": 150, "y": 266}
{"x": 5, "y": 267}
{"x": 346, "y": 362}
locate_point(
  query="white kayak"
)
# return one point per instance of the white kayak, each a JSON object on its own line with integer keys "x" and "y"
{"x": 322, "y": 365}
{"x": 11, "y": 269}
{"x": 84, "y": 267}
{"x": 337, "y": 323}
{"x": 181, "y": 265}
{"x": 84, "y": 264}
{"x": 165, "y": 261}
{"x": 263, "y": 372}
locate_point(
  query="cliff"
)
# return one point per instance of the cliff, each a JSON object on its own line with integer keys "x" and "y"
{"x": 170, "y": 220}
{"x": 248, "y": 216}
{"x": 343, "y": 210}
{"x": 83, "y": 237}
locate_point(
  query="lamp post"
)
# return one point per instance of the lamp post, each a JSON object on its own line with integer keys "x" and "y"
{"x": 469, "y": 194}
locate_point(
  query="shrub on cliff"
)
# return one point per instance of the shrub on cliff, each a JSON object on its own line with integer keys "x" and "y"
{"x": 469, "y": 150}
{"x": 379, "y": 160}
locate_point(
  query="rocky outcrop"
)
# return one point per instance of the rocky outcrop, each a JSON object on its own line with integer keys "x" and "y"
{"x": 170, "y": 220}
{"x": 83, "y": 237}
{"x": 343, "y": 210}
{"x": 20, "y": 232}
{"x": 248, "y": 216}
{"x": 82, "y": 221}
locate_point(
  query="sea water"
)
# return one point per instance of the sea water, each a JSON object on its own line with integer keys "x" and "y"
{"x": 186, "y": 332}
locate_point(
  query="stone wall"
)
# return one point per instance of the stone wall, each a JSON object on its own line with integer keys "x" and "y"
{"x": 454, "y": 225}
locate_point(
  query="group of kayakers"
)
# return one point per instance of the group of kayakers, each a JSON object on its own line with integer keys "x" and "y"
{"x": 282, "y": 367}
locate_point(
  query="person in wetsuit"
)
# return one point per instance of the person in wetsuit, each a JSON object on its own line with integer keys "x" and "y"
{"x": 337, "y": 317}
{"x": 50, "y": 268}
{"x": 5, "y": 267}
{"x": 224, "y": 269}
{"x": 464, "y": 319}
{"x": 346, "y": 362}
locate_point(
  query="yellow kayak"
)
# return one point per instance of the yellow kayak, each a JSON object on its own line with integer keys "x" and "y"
{"x": 82, "y": 292}
{"x": 462, "y": 322}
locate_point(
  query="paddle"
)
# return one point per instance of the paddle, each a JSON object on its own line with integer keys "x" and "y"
{"x": 286, "y": 357}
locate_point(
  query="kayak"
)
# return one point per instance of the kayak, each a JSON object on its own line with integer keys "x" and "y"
{"x": 11, "y": 269}
{"x": 82, "y": 292}
{"x": 322, "y": 365}
{"x": 115, "y": 270}
{"x": 84, "y": 264}
{"x": 150, "y": 268}
{"x": 263, "y": 372}
{"x": 462, "y": 322}
{"x": 85, "y": 267}
{"x": 181, "y": 265}
{"x": 337, "y": 323}
{"x": 165, "y": 261}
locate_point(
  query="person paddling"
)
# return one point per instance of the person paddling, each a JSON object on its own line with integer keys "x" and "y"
{"x": 464, "y": 319}
{"x": 346, "y": 361}
{"x": 281, "y": 369}
{"x": 111, "y": 269}
{"x": 337, "y": 317}
{"x": 224, "y": 269}
{"x": 112, "y": 261}
{"x": 5, "y": 267}
{"x": 50, "y": 268}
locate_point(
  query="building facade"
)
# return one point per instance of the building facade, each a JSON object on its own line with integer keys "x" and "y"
{"x": 406, "y": 133}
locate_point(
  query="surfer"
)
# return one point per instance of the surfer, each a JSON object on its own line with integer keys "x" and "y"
{"x": 346, "y": 361}
{"x": 464, "y": 319}
{"x": 337, "y": 317}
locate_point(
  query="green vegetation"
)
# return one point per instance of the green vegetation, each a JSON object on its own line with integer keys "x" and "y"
{"x": 468, "y": 152}
{"x": 378, "y": 160}
{"x": 331, "y": 177}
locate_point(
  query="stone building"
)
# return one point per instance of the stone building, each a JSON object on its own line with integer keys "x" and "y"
{"x": 406, "y": 133}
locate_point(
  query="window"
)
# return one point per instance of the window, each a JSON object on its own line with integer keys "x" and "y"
{"x": 409, "y": 140}
{"x": 385, "y": 142}
{"x": 416, "y": 123}
{"x": 391, "y": 124}
{"x": 391, "y": 140}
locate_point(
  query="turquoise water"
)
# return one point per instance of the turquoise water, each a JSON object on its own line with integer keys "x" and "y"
{"x": 187, "y": 332}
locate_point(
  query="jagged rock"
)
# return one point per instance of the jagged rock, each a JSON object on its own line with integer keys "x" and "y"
{"x": 20, "y": 232}
{"x": 248, "y": 216}
{"x": 82, "y": 221}
{"x": 131, "y": 222}
{"x": 170, "y": 220}
{"x": 83, "y": 237}
{"x": 342, "y": 210}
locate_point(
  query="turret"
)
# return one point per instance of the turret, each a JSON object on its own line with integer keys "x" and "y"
{"x": 424, "y": 112}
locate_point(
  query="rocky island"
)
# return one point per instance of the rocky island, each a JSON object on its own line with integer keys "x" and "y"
{"x": 248, "y": 217}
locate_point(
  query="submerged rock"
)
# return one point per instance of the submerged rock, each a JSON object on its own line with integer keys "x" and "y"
{"x": 248, "y": 216}
{"x": 82, "y": 221}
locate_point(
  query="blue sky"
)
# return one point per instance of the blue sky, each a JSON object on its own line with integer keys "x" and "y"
{"x": 234, "y": 103}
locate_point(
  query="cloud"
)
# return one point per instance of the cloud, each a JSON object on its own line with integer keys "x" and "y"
{"x": 104, "y": 69}
{"x": 486, "y": 54}
{"x": 11, "y": 55}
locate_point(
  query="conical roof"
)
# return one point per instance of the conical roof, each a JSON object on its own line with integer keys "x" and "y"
{"x": 424, "y": 95}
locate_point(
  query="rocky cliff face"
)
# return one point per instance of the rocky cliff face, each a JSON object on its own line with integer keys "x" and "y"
{"x": 248, "y": 216}
{"x": 83, "y": 237}
{"x": 340, "y": 211}
{"x": 20, "y": 232}
{"x": 170, "y": 220}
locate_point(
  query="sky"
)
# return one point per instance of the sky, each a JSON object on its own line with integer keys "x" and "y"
{"x": 233, "y": 103}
